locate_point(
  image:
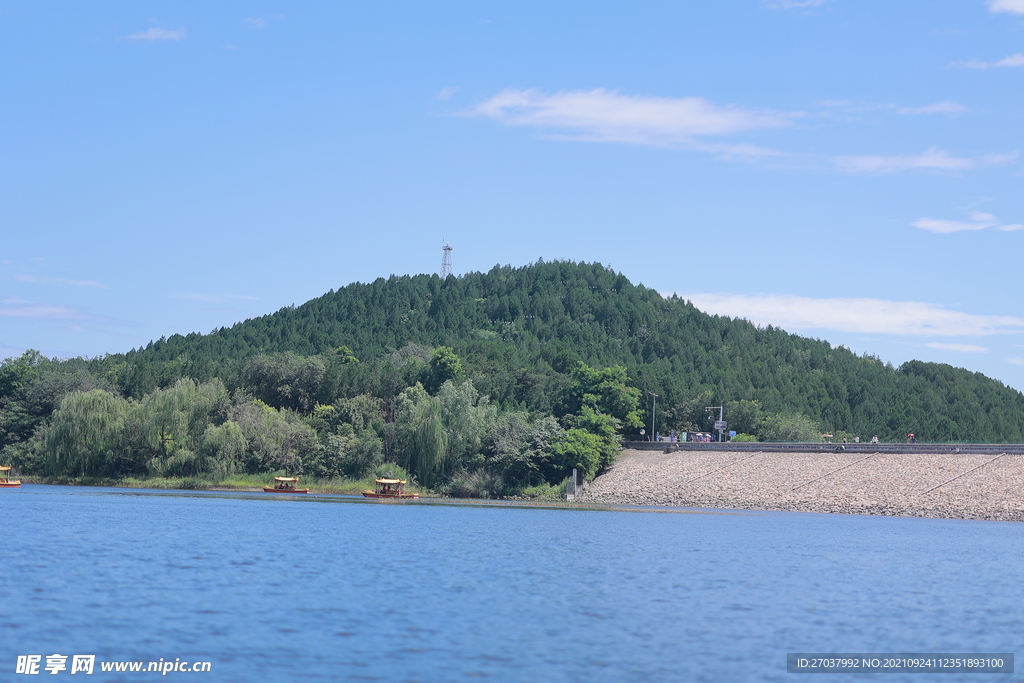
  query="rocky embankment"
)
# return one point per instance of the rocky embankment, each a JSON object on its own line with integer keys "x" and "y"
{"x": 959, "y": 486}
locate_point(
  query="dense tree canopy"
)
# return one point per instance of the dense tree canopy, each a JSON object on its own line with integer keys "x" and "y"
{"x": 484, "y": 381}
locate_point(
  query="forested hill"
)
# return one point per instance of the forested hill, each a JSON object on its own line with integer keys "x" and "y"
{"x": 518, "y": 332}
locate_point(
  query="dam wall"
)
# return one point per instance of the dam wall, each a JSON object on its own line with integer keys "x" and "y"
{"x": 982, "y": 481}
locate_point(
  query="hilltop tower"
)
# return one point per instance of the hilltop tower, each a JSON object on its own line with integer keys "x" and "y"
{"x": 446, "y": 260}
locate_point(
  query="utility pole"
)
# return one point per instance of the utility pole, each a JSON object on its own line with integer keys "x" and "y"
{"x": 654, "y": 407}
{"x": 720, "y": 421}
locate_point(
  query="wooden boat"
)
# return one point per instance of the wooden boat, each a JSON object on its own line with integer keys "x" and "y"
{"x": 285, "y": 485}
{"x": 5, "y": 478}
{"x": 391, "y": 488}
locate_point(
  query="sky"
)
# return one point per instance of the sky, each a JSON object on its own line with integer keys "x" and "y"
{"x": 848, "y": 170}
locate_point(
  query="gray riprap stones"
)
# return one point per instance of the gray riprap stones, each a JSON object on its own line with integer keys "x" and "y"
{"x": 852, "y": 483}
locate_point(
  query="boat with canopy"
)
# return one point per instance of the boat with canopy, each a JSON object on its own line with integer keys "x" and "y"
{"x": 390, "y": 488}
{"x": 5, "y": 478}
{"x": 285, "y": 485}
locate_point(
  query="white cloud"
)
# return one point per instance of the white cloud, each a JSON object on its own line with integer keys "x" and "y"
{"x": 447, "y": 92}
{"x": 959, "y": 348}
{"x": 687, "y": 122}
{"x": 255, "y": 22}
{"x": 32, "y": 279}
{"x": 1016, "y": 59}
{"x": 978, "y": 221}
{"x": 606, "y": 116}
{"x": 214, "y": 298}
{"x": 736, "y": 152}
{"x": 835, "y": 103}
{"x": 9, "y": 271}
{"x": 1012, "y": 6}
{"x": 159, "y": 34}
{"x": 17, "y": 308}
{"x": 932, "y": 158}
{"x": 950, "y": 107}
{"x": 944, "y": 107}
{"x": 945, "y": 227}
{"x": 791, "y": 4}
{"x": 866, "y": 316}
{"x": 1015, "y": 361}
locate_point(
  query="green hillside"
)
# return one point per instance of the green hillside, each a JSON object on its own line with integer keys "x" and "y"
{"x": 517, "y": 339}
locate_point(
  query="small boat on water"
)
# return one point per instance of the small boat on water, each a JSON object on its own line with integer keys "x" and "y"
{"x": 390, "y": 488}
{"x": 5, "y": 478}
{"x": 285, "y": 485}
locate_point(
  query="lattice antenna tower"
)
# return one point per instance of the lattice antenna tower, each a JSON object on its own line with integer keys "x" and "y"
{"x": 446, "y": 260}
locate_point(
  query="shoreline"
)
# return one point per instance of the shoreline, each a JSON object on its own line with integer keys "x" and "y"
{"x": 181, "y": 484}
{"x": 328, "y": 488}
{"x": 937, "y": 485}
{"x": 977, "y": 486}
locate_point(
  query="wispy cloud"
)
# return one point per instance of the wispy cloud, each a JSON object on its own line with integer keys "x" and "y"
{"x": 835, "y": 103}
{"x": 32, "y": 279}
{"x": 607, "y": 116}
{"x": 9, "y": 352}
{"x": 958, "y": 348}
{"x": 447, "y": 93}
{"x": 978, "y": 221}
{"x": 11, "y": 271}
{"x": 867, "y": 316}
{"x": 214, "y": 298}
{"x": 932, "y": 158}
{"x": 1016, "y": 59}
{"x": 693, "y": 123}
{"x": 159, "y": 34}
{"x": 1012, "y": 6}
{"x": 948, "y": 107}
{"x": 14, "y": 307}
{"x": 944, "y": 107}
{"x": 254, "y": 22}
{"x": 1015, "y": 361}
{"x": 794, "y": 4}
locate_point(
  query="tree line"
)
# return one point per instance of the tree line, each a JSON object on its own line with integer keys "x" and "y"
{"x": 490, "y": 381}
{"x": 438, "y": 428}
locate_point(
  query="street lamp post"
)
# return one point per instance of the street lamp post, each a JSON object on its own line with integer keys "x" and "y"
{"x": 720, "y": 418}
{"x": 654, "y": 407}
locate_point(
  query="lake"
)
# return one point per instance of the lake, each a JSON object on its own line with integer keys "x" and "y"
{"x": 329, "y": 588}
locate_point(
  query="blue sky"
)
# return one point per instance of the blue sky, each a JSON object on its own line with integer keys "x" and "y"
{"x": 846, "y": 170}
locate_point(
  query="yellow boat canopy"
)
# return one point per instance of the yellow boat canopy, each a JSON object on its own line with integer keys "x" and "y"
{"x": 391, "y": 481}
{"x": 5, "y": 468}
{"x": 286, "y": 478}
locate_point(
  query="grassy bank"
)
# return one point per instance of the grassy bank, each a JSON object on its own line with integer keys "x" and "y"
{"x": 235, "y": 482}
{"x": 254, "y": 482}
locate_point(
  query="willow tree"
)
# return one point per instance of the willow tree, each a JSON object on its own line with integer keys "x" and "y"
{"x": 174, "y": 422}
{"x": 223, "y": 448}
{"x": 273, "y": 439}
{"x": 84, "y": 437}
{"x": 466, "y": 414}
{"x": 421, "y": 434}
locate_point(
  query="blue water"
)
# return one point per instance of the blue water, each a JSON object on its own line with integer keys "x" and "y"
{"x": 326, "y": 588}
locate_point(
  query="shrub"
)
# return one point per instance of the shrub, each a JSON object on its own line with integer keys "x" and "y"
{"x": 742, "y": 438}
